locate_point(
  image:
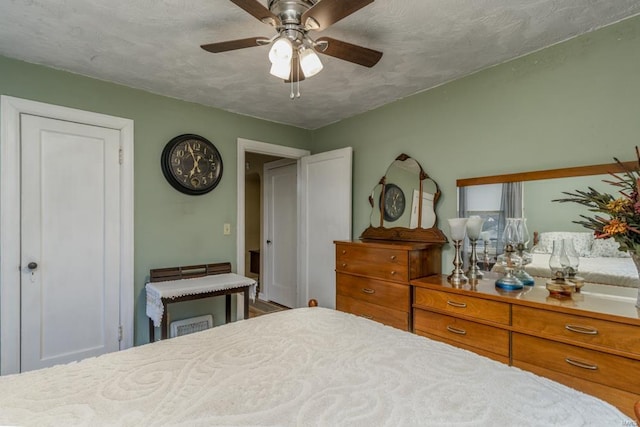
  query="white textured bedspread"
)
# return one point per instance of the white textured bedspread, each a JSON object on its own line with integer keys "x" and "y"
{"x": 298, "y": 367}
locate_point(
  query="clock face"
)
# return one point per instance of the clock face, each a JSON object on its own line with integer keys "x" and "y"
{"x": 394, "y": 202}
{"x": 191, "y": 164}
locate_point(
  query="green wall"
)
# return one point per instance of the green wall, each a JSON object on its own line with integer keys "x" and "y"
{"x": 572, "y": 104}
{"x": 170, "y": 228}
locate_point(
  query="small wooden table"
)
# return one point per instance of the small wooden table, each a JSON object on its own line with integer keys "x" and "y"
{"x": 188, "y": 283}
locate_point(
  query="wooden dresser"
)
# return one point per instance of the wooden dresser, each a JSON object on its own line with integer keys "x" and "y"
{"x": 590, "y": 342}
{"x": 372, "y": 277}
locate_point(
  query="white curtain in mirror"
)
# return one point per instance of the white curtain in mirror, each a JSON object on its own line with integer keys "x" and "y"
{"x": 510, "y": 207}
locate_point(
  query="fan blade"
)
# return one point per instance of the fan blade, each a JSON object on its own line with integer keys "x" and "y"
{"x": 253, "y": 7}
{"x": 296, "y": 71}
{"x": 233, "y": 44}
{"x": 350, "y": 52}
{"x": 328, "y": 12}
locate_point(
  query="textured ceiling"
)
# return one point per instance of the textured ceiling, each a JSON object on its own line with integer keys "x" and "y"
{"x": 154, "y": 45}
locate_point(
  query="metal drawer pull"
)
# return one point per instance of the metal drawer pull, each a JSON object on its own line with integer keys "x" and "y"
{"x": 393, "y": 257}
{"x": 393, "y": 273}
{"x": 366, "y": 316}
{"x": 368, "y": 291}
{"x": 457, "y": 304}
{"x": 344, "y": 252}
{"x": 344, "y": 265}
{"x": 580, "y": 364}
{"x": 581, "y": 329}
{"x": 456, "y": 330}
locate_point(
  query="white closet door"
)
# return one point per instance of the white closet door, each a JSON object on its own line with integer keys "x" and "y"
{"x": 70, "y": 241}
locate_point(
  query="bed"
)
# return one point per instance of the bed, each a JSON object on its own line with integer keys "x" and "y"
{"x": 307, "y": 366}
{"x": 600, "y": 260}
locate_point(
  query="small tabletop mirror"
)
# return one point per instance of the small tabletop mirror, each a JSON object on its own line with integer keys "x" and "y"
{"x": 397, "y": 210}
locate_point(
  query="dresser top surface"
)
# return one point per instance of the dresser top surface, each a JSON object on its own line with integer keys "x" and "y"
{"x": 609, "y": 302}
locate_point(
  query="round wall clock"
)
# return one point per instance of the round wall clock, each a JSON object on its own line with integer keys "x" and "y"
{"x": 191, "y": 164}
{"x": 394, "y": 202}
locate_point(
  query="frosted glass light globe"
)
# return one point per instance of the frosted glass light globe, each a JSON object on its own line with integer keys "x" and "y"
{"x": 458, "y": 228}
{"x": 281, "y": 51}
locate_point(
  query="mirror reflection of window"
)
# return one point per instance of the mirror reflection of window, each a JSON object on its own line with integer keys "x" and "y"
{"x": 494, "y": 203}
{"x": 484, "y": 201}
{"x": 490, "y": 227}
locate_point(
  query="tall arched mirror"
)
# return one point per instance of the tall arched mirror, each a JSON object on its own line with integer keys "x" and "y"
{"x": 403, "y": 204}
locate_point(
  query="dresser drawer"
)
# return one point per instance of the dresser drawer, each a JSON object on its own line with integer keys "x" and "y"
{"x": 579, "y": 329}
{"x": 607, "y": 369}
{"x": 388, "y": 263}
{"x": 493, "y": 311}
{"x": 466, "y": 332}
{"x": 396, "y": 318}
{"x": 373, "y": 291}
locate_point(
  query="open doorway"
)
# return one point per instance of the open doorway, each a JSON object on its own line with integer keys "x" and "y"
{"x": 254, "y": 217}
{"x": 321, "y": 177}
{"x": 251, "y": 240}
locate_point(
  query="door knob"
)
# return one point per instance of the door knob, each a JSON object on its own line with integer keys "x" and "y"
{"x": 32, "y": 265}
{"x": 268, "y": 242}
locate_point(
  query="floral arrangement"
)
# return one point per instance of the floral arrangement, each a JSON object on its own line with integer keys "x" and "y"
{"x": 623, "y": 210}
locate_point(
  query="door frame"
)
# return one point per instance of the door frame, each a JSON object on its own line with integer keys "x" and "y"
{"x": 10, "y": 163}
{"x": 250, "y": 146}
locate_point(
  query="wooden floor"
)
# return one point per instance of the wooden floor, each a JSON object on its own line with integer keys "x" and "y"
{"x": 259, "y": 308}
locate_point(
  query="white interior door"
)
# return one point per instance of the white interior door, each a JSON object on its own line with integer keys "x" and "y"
{"x": 70, "y": 241}
{"x": 325, "y": 216}
{"x": 281, "y": 211}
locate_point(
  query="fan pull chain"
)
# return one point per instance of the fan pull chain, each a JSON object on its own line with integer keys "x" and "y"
{"x": 298, "y": 82}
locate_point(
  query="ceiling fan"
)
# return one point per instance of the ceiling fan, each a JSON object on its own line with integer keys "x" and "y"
{"x": 293, "y": 53}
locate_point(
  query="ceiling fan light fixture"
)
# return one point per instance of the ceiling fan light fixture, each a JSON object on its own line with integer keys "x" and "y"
{"x": 310, "y": 62}
{"x": 281, "y": 70}
{"x": 281, "y": 51}
{"x": 294, "y": 53}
